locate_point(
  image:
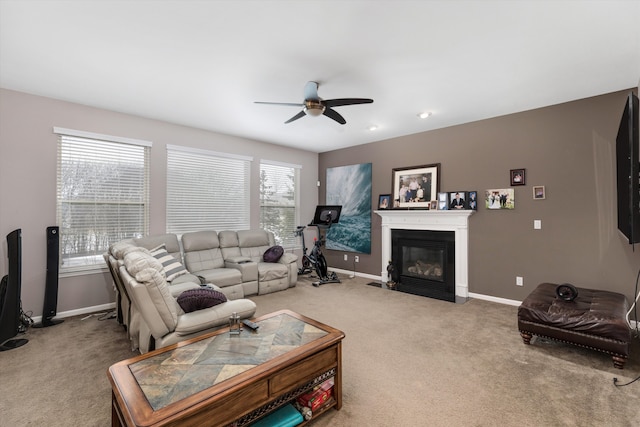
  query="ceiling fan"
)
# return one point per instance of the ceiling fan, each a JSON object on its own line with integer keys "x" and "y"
{"x": 313, "y": 105}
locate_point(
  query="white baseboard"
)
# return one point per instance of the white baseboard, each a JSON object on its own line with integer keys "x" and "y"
{"x": 495, "y": 299}
{"x": 351, "y": 273}
{"x": 80, "y": 311}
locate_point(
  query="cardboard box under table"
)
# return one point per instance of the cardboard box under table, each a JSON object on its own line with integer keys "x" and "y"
{"x": 318, "y": 396}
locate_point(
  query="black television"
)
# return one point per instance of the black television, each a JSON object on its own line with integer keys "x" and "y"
{"x": 628, "y": 171}
{"x": 10, "y": 310}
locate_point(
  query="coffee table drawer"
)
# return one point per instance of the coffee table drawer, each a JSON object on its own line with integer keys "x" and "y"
{"x": 301, "y": 371}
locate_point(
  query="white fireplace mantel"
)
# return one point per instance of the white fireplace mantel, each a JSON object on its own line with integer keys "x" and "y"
{"x": 449, "y": 220}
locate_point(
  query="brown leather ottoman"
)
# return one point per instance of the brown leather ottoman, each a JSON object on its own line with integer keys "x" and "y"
{"x": 594, "y": 319}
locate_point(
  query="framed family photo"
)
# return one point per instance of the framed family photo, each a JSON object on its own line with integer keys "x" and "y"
{"x": 500, "y": 198}
{"x": 416, "y": 186}
{"x": 517, "y": 177}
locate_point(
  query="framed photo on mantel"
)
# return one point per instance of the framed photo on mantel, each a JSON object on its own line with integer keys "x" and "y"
{"x": 384, "y": 201}
{"x": 416, "y": 186}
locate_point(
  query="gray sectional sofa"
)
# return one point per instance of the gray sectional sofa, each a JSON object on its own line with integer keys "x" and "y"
{"x": 151, "y": 272}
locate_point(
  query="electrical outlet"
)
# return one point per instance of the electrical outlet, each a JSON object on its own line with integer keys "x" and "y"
{"x": 346, "y": 257}
{"x": 519, "y": 281}
{"x": 357, "y": 258}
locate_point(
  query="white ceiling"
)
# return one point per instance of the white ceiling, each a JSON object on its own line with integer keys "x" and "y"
{"x": 203, "y": 63}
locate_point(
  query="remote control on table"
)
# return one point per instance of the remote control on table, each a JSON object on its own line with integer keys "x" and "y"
{"x": 251, "y": 325}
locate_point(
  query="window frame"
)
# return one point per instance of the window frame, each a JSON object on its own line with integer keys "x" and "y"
{"x": 292, "y": 242}
{"x": 96, "y": 261}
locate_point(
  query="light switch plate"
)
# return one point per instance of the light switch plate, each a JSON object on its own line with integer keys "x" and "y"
{"x": 537, "y": 224}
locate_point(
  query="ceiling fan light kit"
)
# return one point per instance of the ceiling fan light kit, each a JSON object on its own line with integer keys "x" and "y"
{"x": 315, "y": 106}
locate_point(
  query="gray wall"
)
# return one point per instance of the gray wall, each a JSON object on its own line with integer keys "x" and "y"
{"x": 568, "y": 148}
{"x": 28, "y": 150}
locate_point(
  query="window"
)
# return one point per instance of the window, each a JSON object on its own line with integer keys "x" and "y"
{"x": 102, "y": 195}
{"x": 206, "y": 190}
{"x": 279, "y": 200}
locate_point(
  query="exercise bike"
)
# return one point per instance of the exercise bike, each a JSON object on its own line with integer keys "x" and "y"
{"x": 315, "y": 260}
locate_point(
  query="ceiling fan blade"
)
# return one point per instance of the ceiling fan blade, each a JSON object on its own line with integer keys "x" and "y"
{"x": 311, "y": 91}
{"x": 290, "y": 104}
{"x": 296, "y": 117}
{"x": 346, "y": 101}
{"x": 333, "y": 114}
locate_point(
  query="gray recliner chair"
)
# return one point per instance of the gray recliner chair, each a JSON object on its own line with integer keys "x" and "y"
{"x": 162, "y": 320}
{"x": 203, "y": 257}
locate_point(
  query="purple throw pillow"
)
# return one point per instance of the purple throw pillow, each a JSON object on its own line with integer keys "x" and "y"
{"x": 197, "y": 299}
{"x": 273, "y": 254}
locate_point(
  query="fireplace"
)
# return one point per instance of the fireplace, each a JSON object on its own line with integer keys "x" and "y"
{"x": 453, "y": 220}
{"x": 424, "y": 262}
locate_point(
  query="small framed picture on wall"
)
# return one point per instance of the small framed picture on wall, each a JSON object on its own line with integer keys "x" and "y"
{"x": 517, "y": 177}
{"x": 538, "y": 192}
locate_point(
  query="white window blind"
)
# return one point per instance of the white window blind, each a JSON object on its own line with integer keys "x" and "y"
{"x": 206, "y": 190}
{"x": 102, "y": 195}
{"x": 279, "y": 200}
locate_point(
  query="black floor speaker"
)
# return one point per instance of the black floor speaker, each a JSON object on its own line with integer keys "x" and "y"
{"x": 51, "y": 286}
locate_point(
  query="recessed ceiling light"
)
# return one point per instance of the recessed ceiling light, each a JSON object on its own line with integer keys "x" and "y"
{"x": 424, "y": 115}
{"x": 373, "y": 127}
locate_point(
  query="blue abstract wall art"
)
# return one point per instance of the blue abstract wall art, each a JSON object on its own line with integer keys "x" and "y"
{"x": 350, "y": 186}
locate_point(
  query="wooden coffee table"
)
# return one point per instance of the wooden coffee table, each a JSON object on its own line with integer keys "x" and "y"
{"x": 222, "y": 380}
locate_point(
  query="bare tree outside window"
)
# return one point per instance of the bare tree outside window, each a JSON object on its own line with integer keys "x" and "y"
{"x": 278, "y": 202}
{"x": 102, "y": 197}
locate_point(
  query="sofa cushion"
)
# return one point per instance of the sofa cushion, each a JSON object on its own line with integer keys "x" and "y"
{"x": 136, "y": 261}
{"x": 221, "y": 277}
{"x": 172, "y": 267}
{"x": 160, "y": 296}
{"x": 148, "y": 271}
{"x": 200, "y": 240}
{"x": 273, "y": 254}
{"x": 252, "y": 238}
{"x": 211, "y": 317}
{"x": 170, "y": 240}
{"x": 117, "y": 249}
{"x": 197, "y": 299}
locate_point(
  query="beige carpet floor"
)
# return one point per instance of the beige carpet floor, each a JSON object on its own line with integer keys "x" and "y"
{"x": 407, "y": 360}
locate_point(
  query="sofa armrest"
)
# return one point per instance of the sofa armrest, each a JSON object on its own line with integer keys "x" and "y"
{"x": 288, "y": 258}
{"x": 248, "y": 269}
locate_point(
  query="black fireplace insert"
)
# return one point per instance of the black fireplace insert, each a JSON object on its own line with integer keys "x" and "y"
{"x": 424, "y": 262}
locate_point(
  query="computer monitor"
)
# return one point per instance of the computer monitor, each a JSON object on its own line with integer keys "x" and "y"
{"x": 327, "y": 215}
